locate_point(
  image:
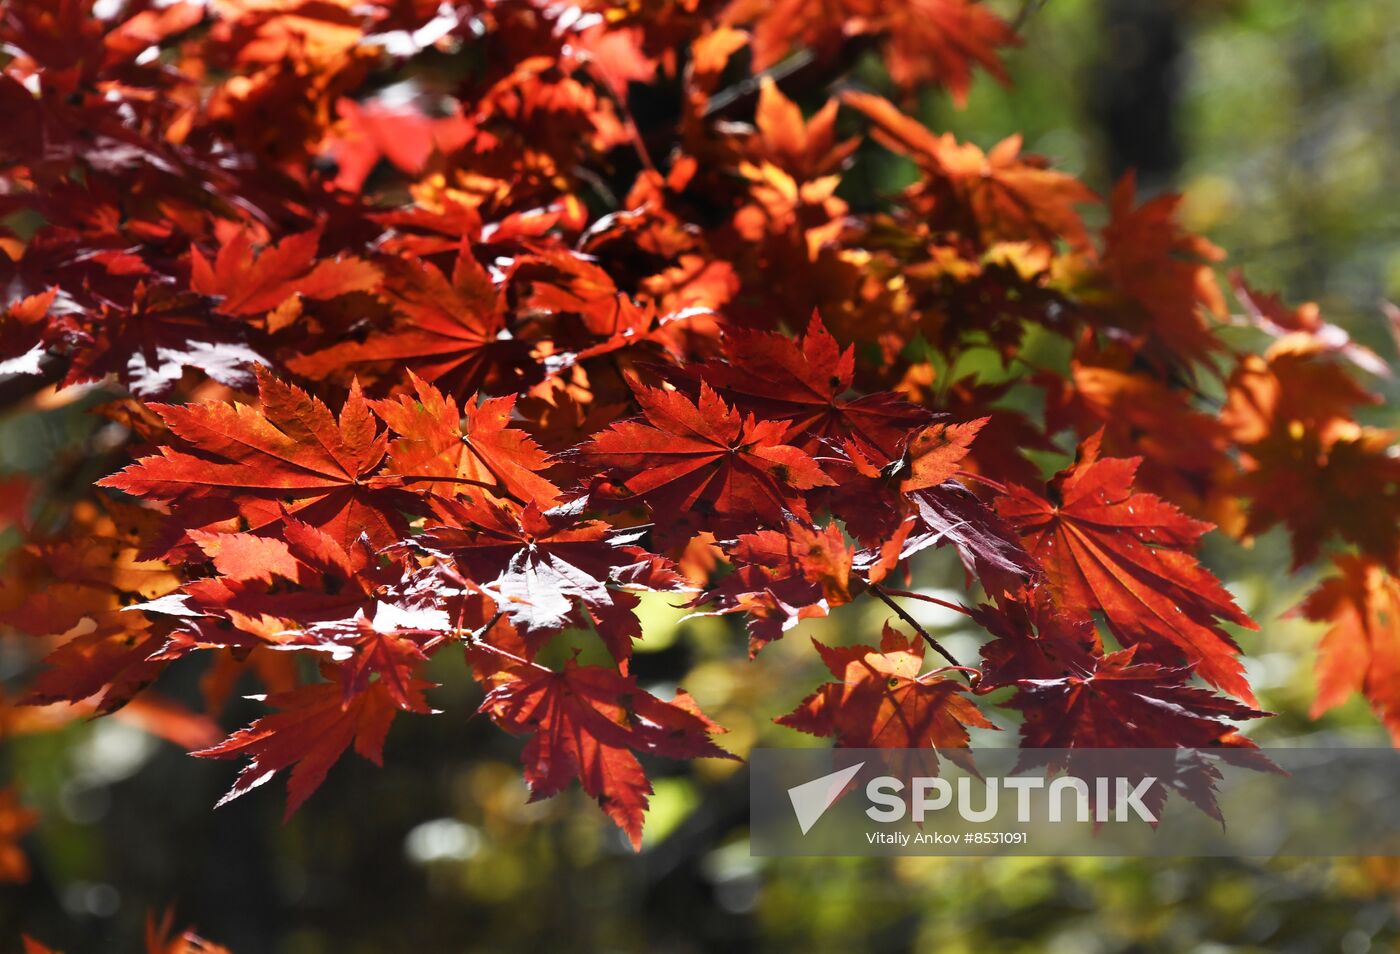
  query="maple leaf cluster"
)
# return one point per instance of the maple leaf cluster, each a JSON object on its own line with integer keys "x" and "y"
{"x": 457, "y": 326}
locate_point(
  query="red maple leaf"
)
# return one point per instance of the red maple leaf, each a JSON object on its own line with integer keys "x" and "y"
{"x": 241, "y": 557}
{"x": 591, "y": 723}
{"x": 314, "y": 727}
{"x": 782, "y": 577}
{"x": 389, "y": 644}
{"x": 545, "y": 566}
{"x": 251, "y": 463}
{"x": 925, "y": 40}
{"x": 942, "y": 40}
{"x": 307, "y": 593}
{"x": 706, "y": 458}
{"x": 456, "y": 452}
{"x": 1077, "y": 702}
{"x": 1159, "y": 278}
{"x": 806, "y": 381}
{"x": 1123, "y": 704}
{"x": 1306, "y": 462}
{"x": 933, "y": 509}
{"x": 935, "y": 454}
{"x": 403, "y": 135}
{"x": 998, "y": 195}
{"x": 249, "y": 285}
{"x": 274, "y": 591}
{"x": 157, "y": 335}
{"x": 80, "y": 588}
{"x": 1361, "y": 650}
{"x": 1034, "y": 639}
{"x": 804, "y": 148}
{"x": 1269, "y": 313}
{"x": 450, "y": 331}
{"x": 1128, "y": 555}
{"x": 116, "y": 663}
{"x": 26, "y": 325}
{"x": 882, "y": 698}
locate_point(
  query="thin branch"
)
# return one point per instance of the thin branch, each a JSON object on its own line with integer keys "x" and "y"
{"x": 629, "y": 124}
{"x": 994, "y": 484}
{"x": 907, "y": 594}
{"x": 476, "y": 634}
{"x": 804, "y": 71}
{"x": 778, "y": 72}
{"x": 634, "y": 134}
{"x": 911, "y": 621}
{"x": 518, "y": 660}
{"x": 473, "y": 639}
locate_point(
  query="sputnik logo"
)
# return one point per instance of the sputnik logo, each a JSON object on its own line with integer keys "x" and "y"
{"x": 810, "y": 800}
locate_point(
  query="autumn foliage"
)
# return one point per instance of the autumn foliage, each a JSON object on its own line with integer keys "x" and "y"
{"x": 450, "y": 328}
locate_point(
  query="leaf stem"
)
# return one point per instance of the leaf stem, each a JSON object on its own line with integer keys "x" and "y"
{"x": 903, "y": 614}
{"x": 473, "y": 638}
{"x": 629, "y": 124}
{"x": 907, "y": 594}
{"x": 725, "y": 98}
{"x": 994, "y": 484}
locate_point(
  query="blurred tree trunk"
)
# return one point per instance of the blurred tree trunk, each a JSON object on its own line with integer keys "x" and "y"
{"x": 1135, "y": 89}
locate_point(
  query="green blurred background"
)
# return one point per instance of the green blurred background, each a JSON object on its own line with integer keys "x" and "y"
{"x": 1280, "y": 119}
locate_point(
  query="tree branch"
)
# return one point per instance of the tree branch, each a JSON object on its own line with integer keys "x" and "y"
{"x": 956, "y": 608}
{"x": 904, "y": 615}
